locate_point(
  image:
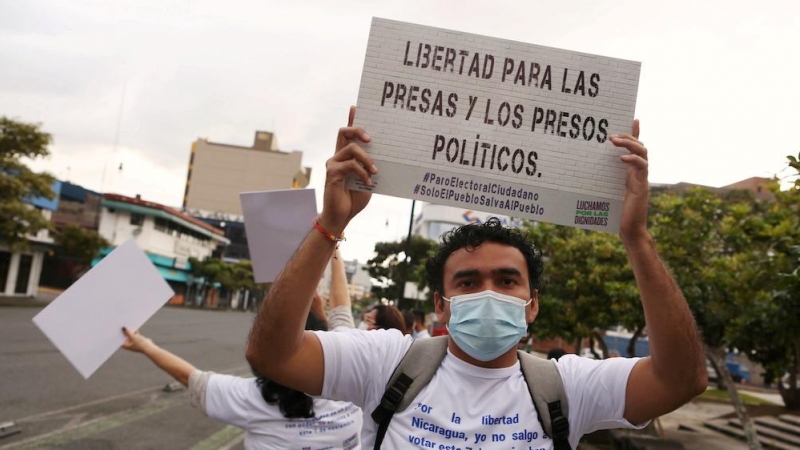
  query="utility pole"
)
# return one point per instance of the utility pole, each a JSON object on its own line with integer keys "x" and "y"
{"x": 407, "y": 249}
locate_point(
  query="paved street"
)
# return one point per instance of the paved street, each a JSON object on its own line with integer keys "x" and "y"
{"x": 123, "y": 405}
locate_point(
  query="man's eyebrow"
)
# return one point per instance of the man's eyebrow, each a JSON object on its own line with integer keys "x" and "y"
{"x": 474, "y": 272}
{"x": 465, "y": 273}
{"x": 507, "y": 271}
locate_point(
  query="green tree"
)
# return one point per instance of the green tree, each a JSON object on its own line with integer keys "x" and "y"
{"x": 390, "y": 265}
{"x": 230, "y": 276}
{"x": 708, "y": 242}
{"x": 80, "y": 243}
{"x": 765, "y": 280}
{"x": 587, "y": 285}
{"x": 769, "y": 326}
{"x": 17, "y": 182}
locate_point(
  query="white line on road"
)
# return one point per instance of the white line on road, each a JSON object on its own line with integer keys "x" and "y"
{"x": 79, "y": 431}
{"x": 108, "y": 399}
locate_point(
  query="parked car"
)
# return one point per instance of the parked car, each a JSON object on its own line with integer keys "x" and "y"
{"x": 739, "y": 372}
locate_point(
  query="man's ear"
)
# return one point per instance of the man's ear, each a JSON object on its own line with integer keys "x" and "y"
{"x": 532, "y": 310}
{"x": 438, "y": 304}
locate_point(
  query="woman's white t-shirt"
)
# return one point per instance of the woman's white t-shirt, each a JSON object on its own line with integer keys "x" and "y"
{"x": 464, "y": 406}
{"x": 238, "y": 401}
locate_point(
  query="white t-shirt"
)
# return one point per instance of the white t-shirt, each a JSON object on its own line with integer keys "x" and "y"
{"x": 421, "y": 334}
{"x": 465, "y": 406}
{"x": 238, "y": 401}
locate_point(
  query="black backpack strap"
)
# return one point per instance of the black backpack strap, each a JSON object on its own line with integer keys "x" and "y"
{"x": 549, "y": 397}
{"x": 414, "y": 372}
{"x": 389, "y": 402}
{"x": 559, "y": 425}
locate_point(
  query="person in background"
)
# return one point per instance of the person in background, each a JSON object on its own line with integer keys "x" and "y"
{"x": 340, "y": 315}
{"x": 362, "y": 325}
{"x": 272, "y": 415}
{"x": 385, "y": 317}
{"x": 420, "y": 329}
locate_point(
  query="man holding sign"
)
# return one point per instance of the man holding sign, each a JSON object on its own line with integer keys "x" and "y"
{"x": 478, "y": 397}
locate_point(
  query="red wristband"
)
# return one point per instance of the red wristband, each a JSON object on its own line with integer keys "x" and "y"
{"x": 326, "y": 233}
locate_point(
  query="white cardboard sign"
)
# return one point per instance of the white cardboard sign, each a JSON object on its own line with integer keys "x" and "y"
{"x": 276, "y": 222}
{"x": 85, "y": 322}
{"x": 496, "y": 125}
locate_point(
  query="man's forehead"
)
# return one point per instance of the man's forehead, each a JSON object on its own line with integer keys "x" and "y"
{"x": 488, "y": 256}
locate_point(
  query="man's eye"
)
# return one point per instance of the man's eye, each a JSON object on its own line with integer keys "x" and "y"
{"x": 508, "y": 282}
{"x": 466, "y": 283}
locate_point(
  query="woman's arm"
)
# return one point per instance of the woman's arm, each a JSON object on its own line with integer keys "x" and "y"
{"x": 177, "y": 367}
{"x": 341, "y": 313}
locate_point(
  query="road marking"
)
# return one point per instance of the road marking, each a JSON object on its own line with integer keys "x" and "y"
{"x": 236, "y": 369}
{"x": 74, "y": 430}
{"x": 225, "y": 439}
{"x": 83, "y": 405}
{"x": 66, "y": 435}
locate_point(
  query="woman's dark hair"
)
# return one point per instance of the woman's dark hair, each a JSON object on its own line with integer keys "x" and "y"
{"x": 293, "y": 404}
{"x": 470, "y": 237}
{"x": 388, "y": 317}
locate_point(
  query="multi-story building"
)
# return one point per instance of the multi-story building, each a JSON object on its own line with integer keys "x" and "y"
{"x": 77, "y": 206}
{"x": 233, "y": 227}
{"x": 219, "y": 172}
{"x": 169, "y": 237}
{"x": 435, "y": 220}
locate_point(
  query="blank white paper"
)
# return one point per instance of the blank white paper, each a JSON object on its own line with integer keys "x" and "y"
{"x": 276, "y": 222}
{"x": 85, "y": 322}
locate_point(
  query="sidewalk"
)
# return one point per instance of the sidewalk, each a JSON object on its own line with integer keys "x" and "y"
{"x": 43, "y": 298}
{"x": 773, "y": 397}
{"x": 694, "y": 414}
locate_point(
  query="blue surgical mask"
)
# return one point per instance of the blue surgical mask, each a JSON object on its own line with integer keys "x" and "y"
{"x": 486, "y": 324}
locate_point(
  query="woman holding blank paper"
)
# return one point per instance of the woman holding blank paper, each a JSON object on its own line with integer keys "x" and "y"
{"x": 272, "y": 415}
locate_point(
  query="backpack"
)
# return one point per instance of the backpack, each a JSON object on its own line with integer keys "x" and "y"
{"x": 423, "y": 359}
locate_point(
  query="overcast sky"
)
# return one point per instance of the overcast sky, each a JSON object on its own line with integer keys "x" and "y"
{"x": 718, "y": 96}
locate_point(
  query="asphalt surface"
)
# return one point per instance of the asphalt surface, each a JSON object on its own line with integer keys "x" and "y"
{"x": 123, "y": 405}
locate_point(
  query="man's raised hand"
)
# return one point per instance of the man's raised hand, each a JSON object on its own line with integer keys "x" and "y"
{"x": 340, "y": 204}
{"x": 633, "y": 223}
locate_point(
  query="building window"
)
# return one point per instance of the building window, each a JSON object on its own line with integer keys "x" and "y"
{"x": 137, "y": 219}
{"x": 180, "y": 232}
{"x": 23, "y": 274}
{"x": 5, "y": 266}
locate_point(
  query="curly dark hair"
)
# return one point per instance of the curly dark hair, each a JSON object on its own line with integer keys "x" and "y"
{"x": 470, "y": 237}
{"x": 292, "y": 403}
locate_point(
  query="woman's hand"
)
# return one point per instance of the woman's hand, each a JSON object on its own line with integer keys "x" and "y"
{"x": 135, "y": 342}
